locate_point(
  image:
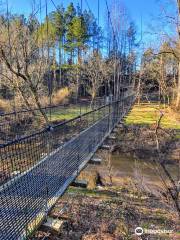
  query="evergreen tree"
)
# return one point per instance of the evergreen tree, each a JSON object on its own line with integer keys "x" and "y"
{"x": 77, "y": 35}
{"x": 58, "y": 20}
{"x": 69, "y": 14}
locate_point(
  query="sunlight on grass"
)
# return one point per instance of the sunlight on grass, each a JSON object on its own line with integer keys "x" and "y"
{"x": 67, "y": 114}
{"x": 177, "y": 136}
{"x": 149, "y": 114}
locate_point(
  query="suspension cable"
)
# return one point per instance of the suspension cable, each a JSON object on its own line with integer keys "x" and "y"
{"x": 10, "y": 54}
{"x": 54, "y": 4}
{"x": 115, "y": 46}
{"x": 88, "y": 5}
{"x": 48, "y": 59}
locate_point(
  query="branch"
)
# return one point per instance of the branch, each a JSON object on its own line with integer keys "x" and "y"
{"x": 17, "y": 73}
{"x": 167, "y": 52}
{"x": 173, "y": 195}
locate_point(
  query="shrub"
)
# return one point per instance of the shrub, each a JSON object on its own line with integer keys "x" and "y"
{"x": 60, "y": 96}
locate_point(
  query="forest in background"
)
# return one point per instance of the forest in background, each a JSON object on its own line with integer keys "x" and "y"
{"x": 68, "y": 54}
{"x": 61, "y": 59}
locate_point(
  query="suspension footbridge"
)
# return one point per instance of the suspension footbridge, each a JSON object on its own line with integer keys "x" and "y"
{"x": 39, "y": 161}
{"x": 40, "y": 167}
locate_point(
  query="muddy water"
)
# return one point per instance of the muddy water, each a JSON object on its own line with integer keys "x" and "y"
{"x": 124, "y": 166}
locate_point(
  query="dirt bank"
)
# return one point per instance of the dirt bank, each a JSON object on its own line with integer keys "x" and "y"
{"x": 110, "y": 213}
{"x": 140, "y": 142}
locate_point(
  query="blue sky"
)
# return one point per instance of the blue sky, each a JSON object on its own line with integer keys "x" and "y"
{"x": 136, "y": 8}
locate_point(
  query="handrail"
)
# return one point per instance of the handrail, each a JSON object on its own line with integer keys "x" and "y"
{"x": 49, "y": 128}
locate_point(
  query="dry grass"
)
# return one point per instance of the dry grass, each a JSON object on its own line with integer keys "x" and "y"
{"x": 5, "y": 105}
{"x": 44, "y": 101}
{"x": 90, "y": 177}
{"x": 57, "y": 98}
{"x": 174, "y": 107}
{"x": 60, "y": 96}
{"x": 174, "y": 114}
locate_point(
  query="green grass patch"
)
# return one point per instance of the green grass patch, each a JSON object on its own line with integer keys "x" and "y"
{"x": 66, "y": 114}
{"x": 88, "y": 192}
{"x": 148, "y": 114}
{"x": 177, "y": 136}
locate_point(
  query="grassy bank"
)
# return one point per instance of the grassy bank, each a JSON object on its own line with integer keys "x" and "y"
{"x": 148, "y": 114}
{"x": 138, "y": 139}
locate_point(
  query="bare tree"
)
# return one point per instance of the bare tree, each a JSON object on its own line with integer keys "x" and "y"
{"x": 98, "y": 72}
{"x": 172, "y": 189}
{"x": 173, "y": 22}
{"x": 24, "y": 62}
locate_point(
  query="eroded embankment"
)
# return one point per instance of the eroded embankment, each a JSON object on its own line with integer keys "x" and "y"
{"x": 140, "y": 142}
{"x": 141, "y": 130}
{"x": 111, "y": 213}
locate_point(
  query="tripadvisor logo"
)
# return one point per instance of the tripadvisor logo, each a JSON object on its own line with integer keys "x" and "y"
{"x": 139, "y": 231}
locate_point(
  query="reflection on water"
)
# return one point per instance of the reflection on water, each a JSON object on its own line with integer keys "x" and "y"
{"x": 124, "y": 166}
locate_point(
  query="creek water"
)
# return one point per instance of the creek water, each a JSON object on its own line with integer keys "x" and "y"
{"x": 123, "y": 166}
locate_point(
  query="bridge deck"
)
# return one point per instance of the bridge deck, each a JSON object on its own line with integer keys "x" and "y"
{"x": 25, "y": 200}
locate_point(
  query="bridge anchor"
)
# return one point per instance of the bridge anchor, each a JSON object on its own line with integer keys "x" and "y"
{"x": 79, "y": 183}
{"x": 106, "y": 147}
{"x": 95, "y": 161}
{"x": 112, "y": 137}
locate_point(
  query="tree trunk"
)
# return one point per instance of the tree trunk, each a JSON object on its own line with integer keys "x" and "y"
{"x": 25, "y": 99}
{"x": 139, "y": 85}
{"x": 178, "y": 88}
{"x": 38, "y": 104}
{"x": 60, "y": 62}
{"x": 93, "y": 98}
{"x": 54, "y": 68}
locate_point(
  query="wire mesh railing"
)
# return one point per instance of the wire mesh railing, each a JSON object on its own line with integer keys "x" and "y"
{"x": 36, "y": 169}
{"x": 17, "y": 124}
